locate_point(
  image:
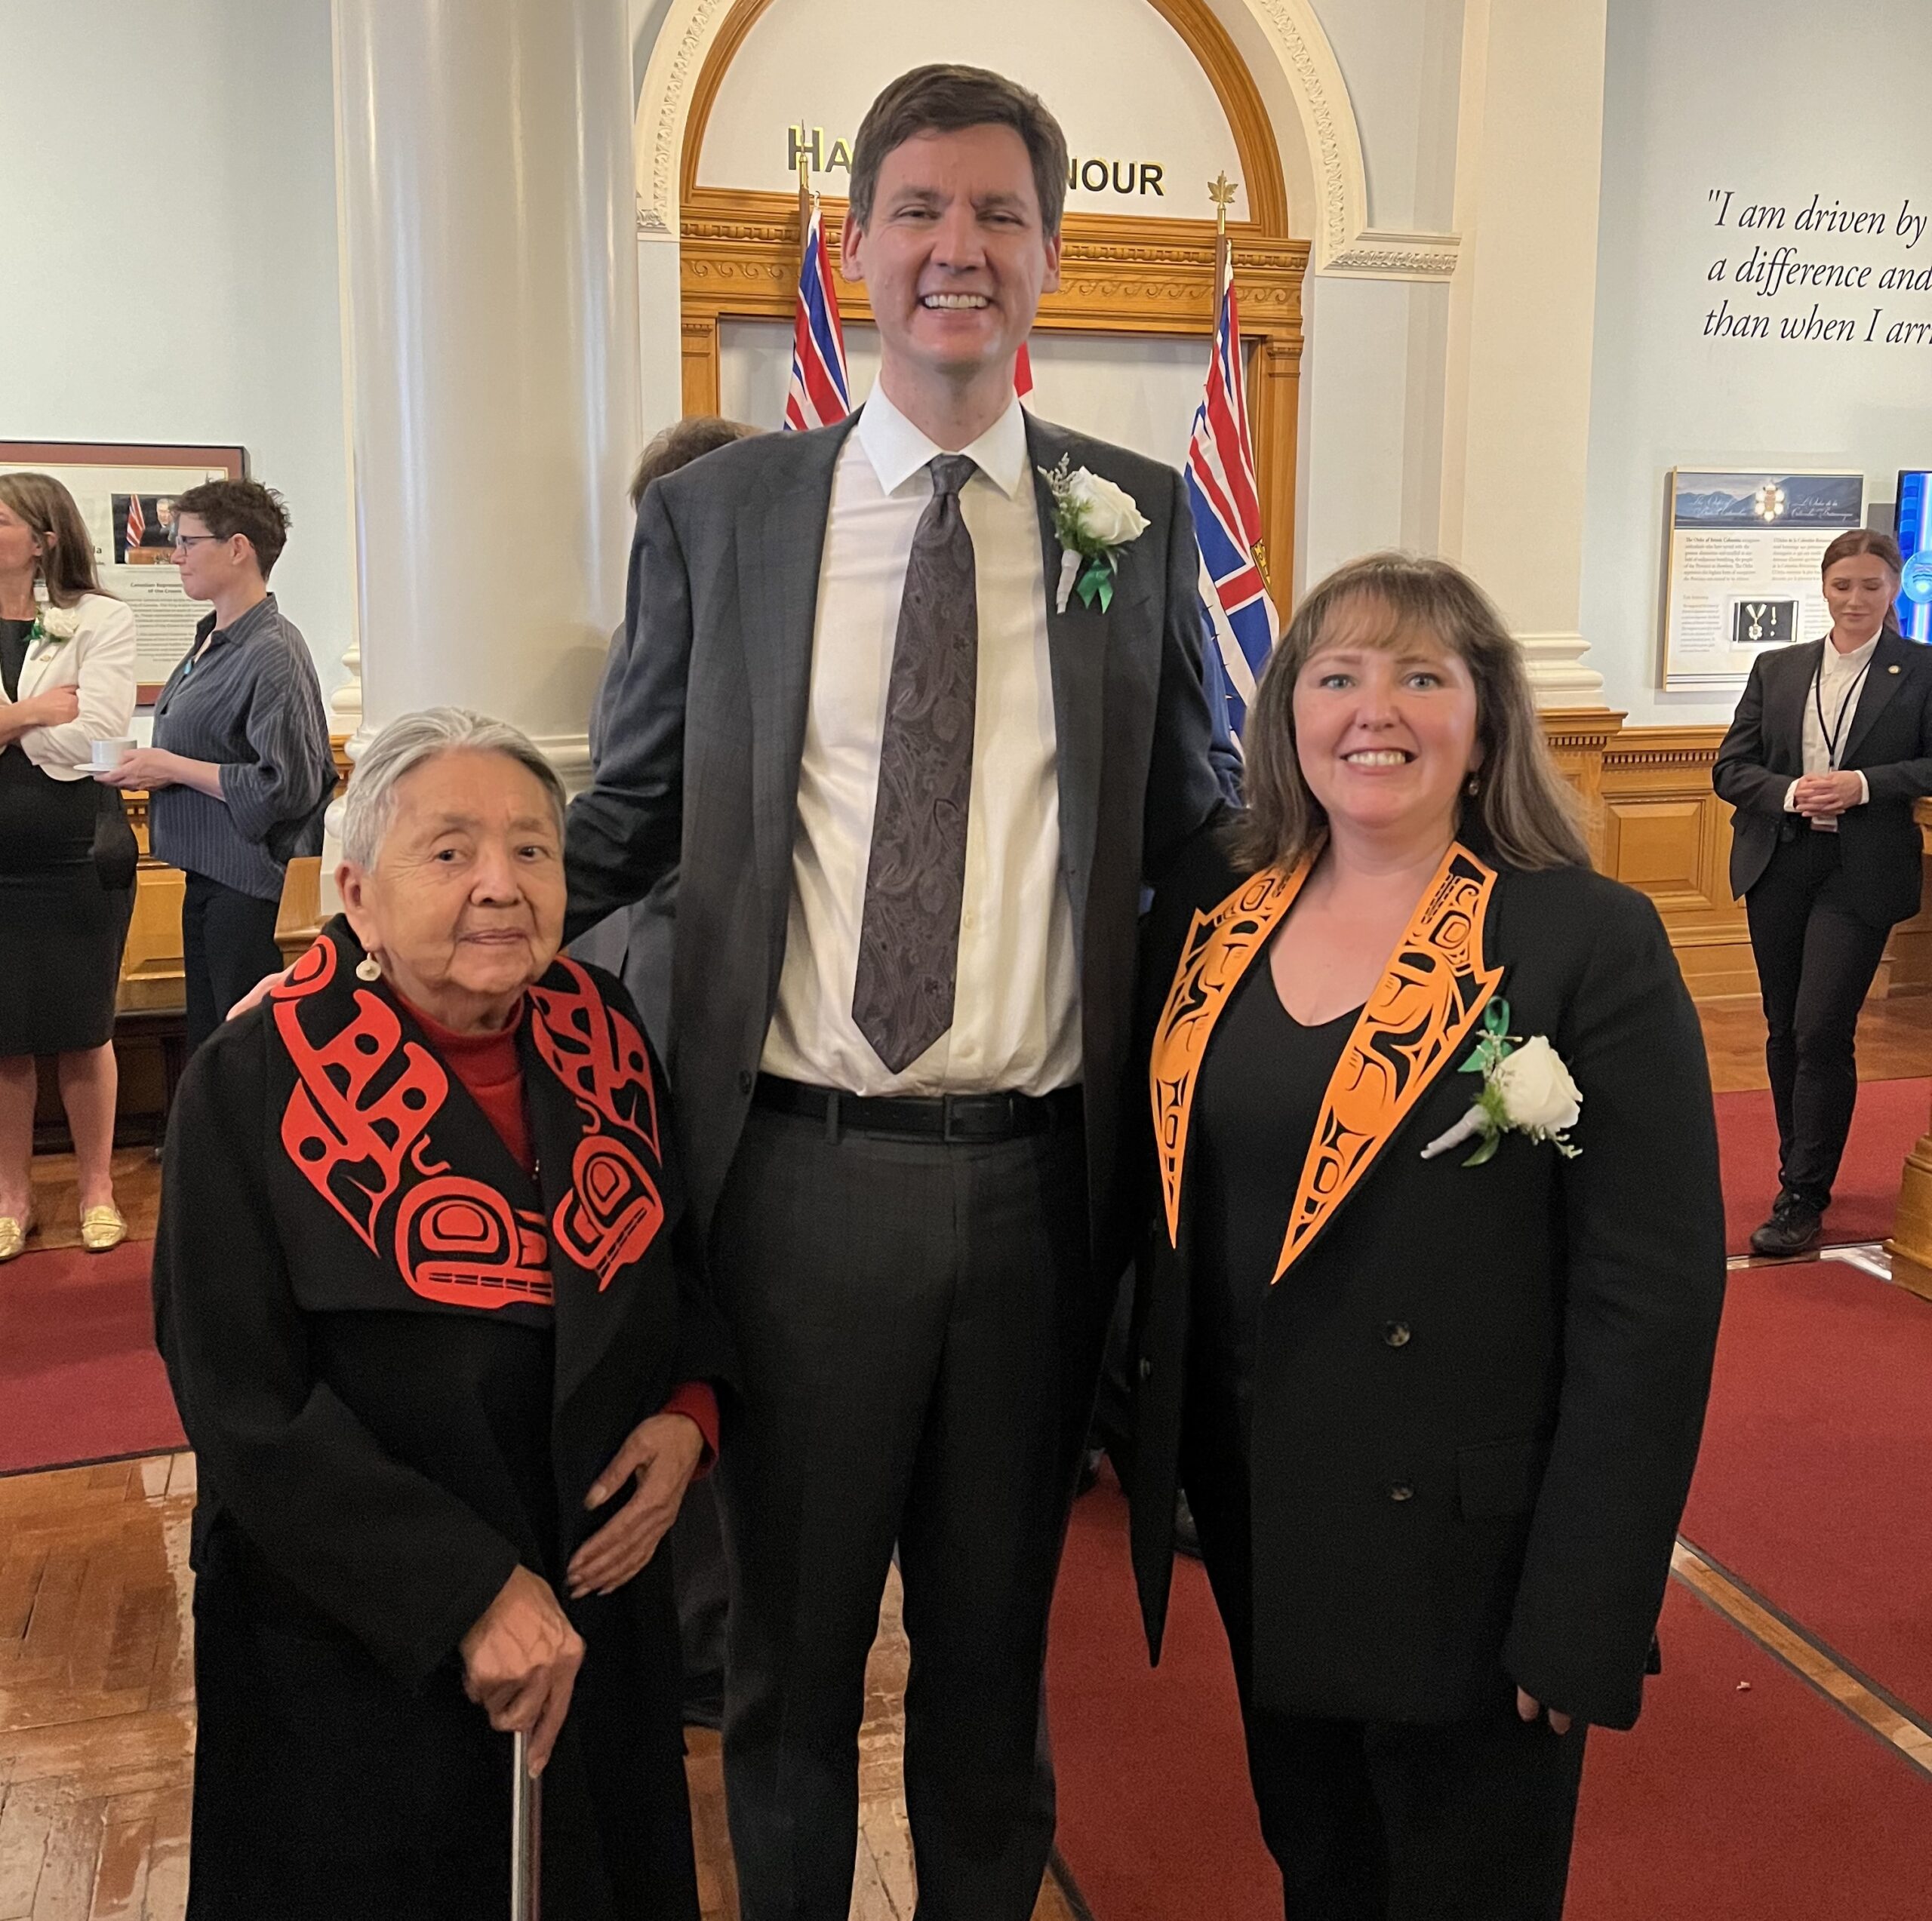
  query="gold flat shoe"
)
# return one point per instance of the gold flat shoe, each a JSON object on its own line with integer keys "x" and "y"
{"x": 101, "y": 1228}
{"x": 13, "y": 1236}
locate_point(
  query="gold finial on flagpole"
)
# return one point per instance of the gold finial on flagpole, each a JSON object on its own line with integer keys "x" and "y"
{"x": 1221, "y": 191}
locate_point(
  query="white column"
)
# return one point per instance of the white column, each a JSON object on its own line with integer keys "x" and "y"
{"x": 1522, "y": 319}
{"x": 487, "y": 212}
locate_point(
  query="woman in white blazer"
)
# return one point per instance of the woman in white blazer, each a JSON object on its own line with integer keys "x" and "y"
{"x": 67, "y": 854}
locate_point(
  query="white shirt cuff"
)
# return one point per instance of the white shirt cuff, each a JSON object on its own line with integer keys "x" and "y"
{"x": 1791, "y": 798}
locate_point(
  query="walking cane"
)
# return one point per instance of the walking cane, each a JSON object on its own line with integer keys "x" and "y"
{"x": 526, "y": 1836}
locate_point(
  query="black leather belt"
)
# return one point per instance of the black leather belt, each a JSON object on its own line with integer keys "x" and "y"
{"x": 978, "y": 1119}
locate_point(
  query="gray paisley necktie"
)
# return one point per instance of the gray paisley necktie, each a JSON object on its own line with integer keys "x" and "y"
{"x": 908, "y": 939}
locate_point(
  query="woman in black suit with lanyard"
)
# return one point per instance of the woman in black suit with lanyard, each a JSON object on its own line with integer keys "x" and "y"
{"x": 1831, "y": 745}
{"x": 1426, "y": 1322}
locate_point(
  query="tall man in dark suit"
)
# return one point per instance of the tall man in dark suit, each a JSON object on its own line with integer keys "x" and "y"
{"x": 1830, "y": 747}
{"x": 910, "y": 786}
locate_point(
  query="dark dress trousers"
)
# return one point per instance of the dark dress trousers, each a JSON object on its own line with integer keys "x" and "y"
{"x": 1444, "y": 1454}
{"x": 1821, "y": 906}
{"x": 402, "y": 1361}
{"x": 920, "y": 1323}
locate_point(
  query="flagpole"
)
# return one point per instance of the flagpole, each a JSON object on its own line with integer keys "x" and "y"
{"x": 1221, "y": 191}
{"x": 804, "y": 206}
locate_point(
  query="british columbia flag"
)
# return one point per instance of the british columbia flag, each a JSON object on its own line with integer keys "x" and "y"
{"x": 1242, "y": 622}
{"x": 820, "y": 393}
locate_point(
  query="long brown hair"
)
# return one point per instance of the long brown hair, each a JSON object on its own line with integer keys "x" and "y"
{"x": 67, "y": 565}
{"x": 1525, "y": 812}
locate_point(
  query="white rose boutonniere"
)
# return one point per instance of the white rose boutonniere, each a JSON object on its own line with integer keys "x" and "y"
{"x": 1527, "y": 1090}
{"x": 53, "y": 626}
{"x": 1094, "y": 519}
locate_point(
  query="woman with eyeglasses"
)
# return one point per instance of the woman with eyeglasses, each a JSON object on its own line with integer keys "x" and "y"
{"x": 67, "y": 854}
{"x": 241, "y": 770}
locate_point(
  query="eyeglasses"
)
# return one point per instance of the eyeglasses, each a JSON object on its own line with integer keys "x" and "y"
{"x": 181, "y": 540}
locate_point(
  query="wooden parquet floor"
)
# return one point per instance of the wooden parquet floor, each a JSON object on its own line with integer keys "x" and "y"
{"x": 1894, "y": 1041}
{"x": 97, "y": 1725}
{"x": 97, "y": 1720}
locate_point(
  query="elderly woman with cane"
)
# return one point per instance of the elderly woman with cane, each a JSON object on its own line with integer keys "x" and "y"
{"x": 427, "y": 1298}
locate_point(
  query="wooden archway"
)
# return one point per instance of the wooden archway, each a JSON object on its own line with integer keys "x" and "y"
{"x": 1119, "y": 274}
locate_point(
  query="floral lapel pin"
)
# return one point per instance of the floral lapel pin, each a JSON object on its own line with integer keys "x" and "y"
{"x": 1526, "y": 1090}
{"x": 1094, "y": 520}
{"x": 52, "y": 626}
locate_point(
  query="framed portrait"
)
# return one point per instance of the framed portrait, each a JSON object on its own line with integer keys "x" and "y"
{"x": 126, "y": 493}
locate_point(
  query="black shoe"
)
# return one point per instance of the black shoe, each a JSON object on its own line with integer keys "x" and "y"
{"x": 1793, "y": 1228}
{"x": 1090, "y": 1471}
{"x": 1187, "y": 1537}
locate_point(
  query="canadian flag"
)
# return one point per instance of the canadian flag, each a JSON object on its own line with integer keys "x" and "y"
{"x": 1023, "y": 373}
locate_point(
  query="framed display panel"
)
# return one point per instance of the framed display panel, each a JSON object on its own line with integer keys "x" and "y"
{"x": 1742, "y": 566}
{"x": 126, "y": 494}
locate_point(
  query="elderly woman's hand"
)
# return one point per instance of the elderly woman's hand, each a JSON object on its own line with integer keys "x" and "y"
{"x": 662, "y": 1453}
{"x": 520, "y": 1662}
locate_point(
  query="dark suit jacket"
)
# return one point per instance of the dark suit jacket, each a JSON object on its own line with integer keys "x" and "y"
{"x": 1889, "y": 742}
{"x": 699, "y": 775}
{"x": 1524, "y": 1347}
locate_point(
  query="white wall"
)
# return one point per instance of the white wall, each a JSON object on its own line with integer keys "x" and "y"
{"x": 1372, "y": 372}
{"x": 1775, "y": 104}
{"x": 169, "y": 253}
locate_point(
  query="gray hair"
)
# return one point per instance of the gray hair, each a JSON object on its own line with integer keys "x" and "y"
{"x": 368, "y": 810}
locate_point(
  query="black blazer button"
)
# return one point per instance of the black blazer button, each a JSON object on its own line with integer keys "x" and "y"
{"x": 1396, "y": 1333}
{"x": 1400, "y": 1491}
{"x": 745, "y": 1077}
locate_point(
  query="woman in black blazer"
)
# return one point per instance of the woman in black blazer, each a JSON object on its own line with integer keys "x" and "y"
{"x": 1431, "y": 1369}
{"x": 1831, "y": 745}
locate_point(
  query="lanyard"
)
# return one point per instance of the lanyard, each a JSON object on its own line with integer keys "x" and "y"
{"x": 1833, "y": 735}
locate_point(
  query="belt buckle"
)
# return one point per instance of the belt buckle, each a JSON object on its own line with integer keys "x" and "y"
{"x": 951, "y": 1104}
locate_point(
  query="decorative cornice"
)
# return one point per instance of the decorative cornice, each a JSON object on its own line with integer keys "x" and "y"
{"x": 676, "y": 63}
{"x": 1376, "y": 255}
{"x": 740, "y": 258}
{"x": 1328, "y": 119}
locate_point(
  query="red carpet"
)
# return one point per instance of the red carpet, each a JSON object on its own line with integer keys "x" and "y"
{"x": 1815, "y": 1483}
{"x": 1766, "y": 1806}
{"x": 1891, "y": 1116}
{"x": 1156, "y": 1823}
{"x": 79, "y": 1377}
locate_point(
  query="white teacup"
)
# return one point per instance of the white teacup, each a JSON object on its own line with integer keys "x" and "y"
{"x": 107, "y": 754}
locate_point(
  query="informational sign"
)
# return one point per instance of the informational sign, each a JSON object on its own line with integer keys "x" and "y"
{"x": 1745, "y": 549}
{"x": 126, "y": 495}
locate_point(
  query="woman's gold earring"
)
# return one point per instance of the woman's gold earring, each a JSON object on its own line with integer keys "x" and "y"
{"x": 368, "y": 968}
{"x": 1475, "y": 786}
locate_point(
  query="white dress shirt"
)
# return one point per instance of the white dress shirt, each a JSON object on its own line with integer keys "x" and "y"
{"x": 1016, "y": 1024}
{"x": 1836, "y": 687}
